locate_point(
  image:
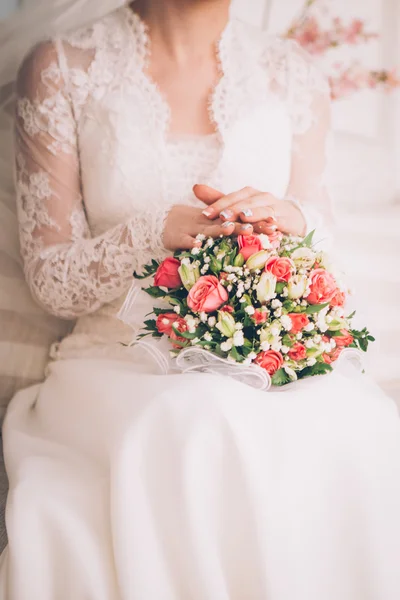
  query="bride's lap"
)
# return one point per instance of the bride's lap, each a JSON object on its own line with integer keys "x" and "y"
{"x": 97, "y": 403}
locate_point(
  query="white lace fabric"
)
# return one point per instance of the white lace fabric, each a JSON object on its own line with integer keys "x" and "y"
{"x": 97, "y": 168}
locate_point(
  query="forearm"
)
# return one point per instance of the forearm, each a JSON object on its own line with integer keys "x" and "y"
{"x": 71, "y": 280}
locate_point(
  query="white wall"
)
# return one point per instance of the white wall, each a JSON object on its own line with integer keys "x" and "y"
{"x": 6, "y": 7}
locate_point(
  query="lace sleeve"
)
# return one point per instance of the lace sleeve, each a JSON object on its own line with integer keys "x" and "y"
{"x": 69, "y": 272}
{"x": 308, "y": 95}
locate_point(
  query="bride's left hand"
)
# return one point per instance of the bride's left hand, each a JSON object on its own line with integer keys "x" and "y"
{"x": 261, "y": 210}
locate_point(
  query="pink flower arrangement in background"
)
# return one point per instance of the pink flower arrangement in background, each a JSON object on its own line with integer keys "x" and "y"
{"x": 317, "y": 40}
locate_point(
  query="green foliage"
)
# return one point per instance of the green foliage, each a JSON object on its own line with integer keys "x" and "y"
{"x": 361, "y": 339}
{"x": 280, "y": 378}
{"x": 320, "y": 368}
{"x": 155, "y": 292}
{"x": 148, "y": 270}
{"x": 312, "y": 309}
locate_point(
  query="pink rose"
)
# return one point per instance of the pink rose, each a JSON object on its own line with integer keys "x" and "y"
{"x": 344, "y": 339}
{"x": 275, "y": 239}
{"x": 299, "y": 321}
{"x": 280, "y": 267}
{"x": 181, "y": 325}
{"x": 164, "y": 323}
{"x": 332, "y": 356}
{"x": 339, "y": 298}
{"x": 298, "y": 351}
{"x": 260, "y": 316}
{"x": 271, "y": 361}
{"x": 322, "y": 287}
{"x": 167, "y": 274}
{"x": 229, "y": 309}
{"x": 249, "y": 245}
{"x": 207, "y": 295}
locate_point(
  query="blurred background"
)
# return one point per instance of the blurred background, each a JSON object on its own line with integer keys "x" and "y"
{"x": 357, "y": 43}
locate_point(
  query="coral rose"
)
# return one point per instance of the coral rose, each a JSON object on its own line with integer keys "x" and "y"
{"x": 339, "y": 298}
{"x": 299, "y": 321}
{"x": 249, "y": 245}
{"x": 322, "y": 287}
{"x": 275, "y": 239}
{"x": 344, "y": 339}
{"x": 164, "y": 323}
{"x": 281, "y": 267}
{"x": 167, "y": 274}
{"x": 298, "y": 352}
{"x": 181, "y": 325}
{"x": 270, "y": 360}
{"x": 260, "y": 316}
{"x": 228, "y": 308}
{"x": 207, "y": 295}
{"x": 332, "y": 356}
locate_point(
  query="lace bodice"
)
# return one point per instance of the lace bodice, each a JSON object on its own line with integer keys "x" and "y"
{"x": 97, "y": 168}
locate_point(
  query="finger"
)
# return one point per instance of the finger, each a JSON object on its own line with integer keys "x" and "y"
{"x": 264, "y": 227}
{"x": 215, "y": 231}
{"x": 243, "y": 228}
{"x": 226, "y": 202}
{"x": 187, "y": 242}
{"x": 207, "y": 194}
{"x": 257, "y": 208}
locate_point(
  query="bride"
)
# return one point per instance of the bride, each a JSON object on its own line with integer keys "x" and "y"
{"x": 128, "y": 484}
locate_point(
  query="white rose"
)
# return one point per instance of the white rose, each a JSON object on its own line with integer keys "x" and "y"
{"x": 303, "y": 257}
{"x": 297, "y": 286}
{"x": 266, "y": 287}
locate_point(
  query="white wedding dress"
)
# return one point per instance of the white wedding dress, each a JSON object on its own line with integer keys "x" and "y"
{"x": 129, "y": 484}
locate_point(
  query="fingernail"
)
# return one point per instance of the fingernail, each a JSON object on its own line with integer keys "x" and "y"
{"x": 227, "y": 224}
{"x": 247, "y": 212}
{"x": 226, "y": 214}
{"x": 246, "y": 226}
{"x": 208, "y": 212}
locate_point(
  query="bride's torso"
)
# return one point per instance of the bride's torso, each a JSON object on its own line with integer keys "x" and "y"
{"x": 131, "y": 164}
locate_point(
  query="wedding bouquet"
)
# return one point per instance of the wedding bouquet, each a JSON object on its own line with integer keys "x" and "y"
{"x": 254, "y": 300}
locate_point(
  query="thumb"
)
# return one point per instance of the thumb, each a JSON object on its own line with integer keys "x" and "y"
{"x": 207, "y": 194}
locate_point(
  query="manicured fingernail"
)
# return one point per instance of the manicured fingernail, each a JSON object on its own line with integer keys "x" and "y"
{"x": 247, "y": 212}
{"x": 208, "y": 212}
{"x": 227, "y": 214}
{"x": 227, "y": 224}
{"x": 246, "y": 226}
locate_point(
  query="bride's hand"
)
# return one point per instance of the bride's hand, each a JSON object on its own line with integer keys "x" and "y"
{"x": 184, "y": 223}
{"x": 250, "y": 206}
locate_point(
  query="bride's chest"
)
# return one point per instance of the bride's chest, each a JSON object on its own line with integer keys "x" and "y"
{"x": 129, "y": 163}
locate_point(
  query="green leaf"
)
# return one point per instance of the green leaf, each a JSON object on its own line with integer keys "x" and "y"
{"x": 185, "y": 334}
{"x": 319, "y": 368}
{"x": 308, "y": 239}
{"x": 148, "y": 270}
{"x": 280, "y": 377}
{"x": 280, "y": 286}
{"x": 315, "y": 308}
{"x": 352, "y": 315}
{"x": 156, "y": 292}
{"x": 235, "y": 354}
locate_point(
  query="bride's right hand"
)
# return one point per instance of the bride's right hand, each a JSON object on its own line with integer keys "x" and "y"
{"x": 184, "y": 223}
